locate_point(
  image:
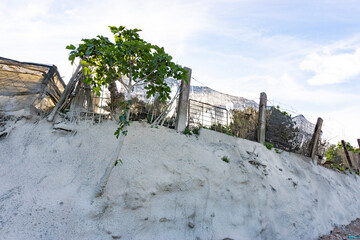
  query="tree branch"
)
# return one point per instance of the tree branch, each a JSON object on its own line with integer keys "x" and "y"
{"x": 142, "y": 79}
{"x": 143, "y": 83}
{"x": 123, "y": 83}
{"x": 140, "y": 83}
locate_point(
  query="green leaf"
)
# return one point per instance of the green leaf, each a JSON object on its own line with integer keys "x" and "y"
{"x": 113, "y": 29}
{"x": 268, "y": 145}
{"x": 88, "y": 52}
{"x": 87, "y": 80}
{"x": 118, "y": 161}
{"x": 72, "y": 58}
{"x": 117, "y": 133}
{"x": 87, "y": 71}
{"x": 71, "y": 47}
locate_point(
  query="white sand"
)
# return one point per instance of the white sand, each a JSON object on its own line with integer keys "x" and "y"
{"x": 171, "y": 186}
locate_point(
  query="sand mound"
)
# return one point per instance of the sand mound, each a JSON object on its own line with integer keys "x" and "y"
{"x": 171, "y": 186}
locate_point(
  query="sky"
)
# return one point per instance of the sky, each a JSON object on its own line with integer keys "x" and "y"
{"x": 304, "y": 54}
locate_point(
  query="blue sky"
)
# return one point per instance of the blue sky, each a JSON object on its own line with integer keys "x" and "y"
{"x": 304, "y": 54}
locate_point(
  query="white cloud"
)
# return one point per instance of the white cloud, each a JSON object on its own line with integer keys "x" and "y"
{"x": 335, "y": 63}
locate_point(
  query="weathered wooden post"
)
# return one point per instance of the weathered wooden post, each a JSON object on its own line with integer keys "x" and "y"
{"x": 227, "y": 121}
{"x": 202, "y": 115}
{"x": 182, "y": 108}
{"x": 262, "y": 118}
{"x": 358, "y": 162}
{"x": 188, "y": 112}
{"x": 315, "y": 138}
{"x": 347, "y": 154}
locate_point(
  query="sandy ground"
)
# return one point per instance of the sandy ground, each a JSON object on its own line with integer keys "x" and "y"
{"x": 171, "y": 186}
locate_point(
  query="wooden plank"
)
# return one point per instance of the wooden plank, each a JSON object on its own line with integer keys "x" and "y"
{"x": 346, "y": 154}
{"x": 315, "y": 138}
{"x": 23, "y": 93}
{"x": 48, "y": 75}
{"x": 69, "y": 87}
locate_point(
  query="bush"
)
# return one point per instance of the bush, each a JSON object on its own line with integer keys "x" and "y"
{"x": 219, "y": 128}
{"x": 196, "y": 131}
{"x": 281, "y": 130}
{"x": 244, "y": 123}
{"x": 268, "y": 145}
{"x": 189, "y": 131}
{"x": 331, "y": 154}
{"x": 225, "y": 159}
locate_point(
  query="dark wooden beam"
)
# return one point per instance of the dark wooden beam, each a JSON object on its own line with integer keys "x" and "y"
{"x": 24, "y": 93}
{"x": 315, "y": 138}
{"x": 68, "y": 89}
{"x": 346, "y": 154}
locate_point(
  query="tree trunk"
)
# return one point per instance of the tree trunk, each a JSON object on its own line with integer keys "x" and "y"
{"x": 113, "y": 95}
{"x": 114, "y": 157}
{"x": 152, "y": 113}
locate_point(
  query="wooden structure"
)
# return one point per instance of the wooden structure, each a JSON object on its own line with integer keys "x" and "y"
{"x": 26, "y": 85}
{"x": 79, "y": 101}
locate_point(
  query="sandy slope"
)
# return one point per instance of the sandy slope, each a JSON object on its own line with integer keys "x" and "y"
{"x": 171, "y": 186}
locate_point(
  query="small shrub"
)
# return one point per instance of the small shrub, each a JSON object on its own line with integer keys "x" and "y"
{"x": 331, "y": 154}
{"x": 244, "y": 123}
{"x": 118, "y": 161}
{"x": 187, "y": 131}
{"x": 196, "y": 131}
{"x": 268, "y": 145}
{"x": 278, "y": 151}
{"x": 283, "y": 112}
{"x": 225, "y": 159}
{"x": 341, "y": 167}
{"x": 219, "y": 128}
